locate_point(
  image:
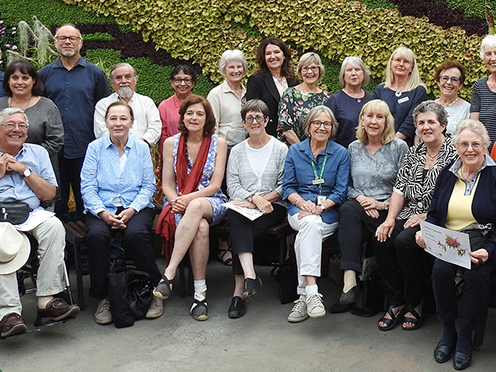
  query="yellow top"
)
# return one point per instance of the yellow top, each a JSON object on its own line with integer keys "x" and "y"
{"x": 460, "y": 207}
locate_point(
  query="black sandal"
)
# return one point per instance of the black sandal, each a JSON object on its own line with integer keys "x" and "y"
{"x": 391, "y": 322}
{"x": 416, "y": 320}
{"x": 221, "y": 253}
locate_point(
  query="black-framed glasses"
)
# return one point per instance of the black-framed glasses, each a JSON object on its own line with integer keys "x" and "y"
{"x": 258, "y": 118}
{"x": 10, "y": 126}
{"x": 62, "y": 39}
{"x": 185, "y": 81}
{"x": 317, "y": 124}
{"x": 445, "y": 79}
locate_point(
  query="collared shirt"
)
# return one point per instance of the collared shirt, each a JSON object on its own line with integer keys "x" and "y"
{"x": 227, "y": 111}
{"x": 298, "y": 176}
{"x": 75, "y": 92}
{"x": 13, "y": 187}
{"x": 147, "y": 124}
{"x": 469, "y": 185}
{"x": 102, "y": 181}
{"x": 169, "y": 114}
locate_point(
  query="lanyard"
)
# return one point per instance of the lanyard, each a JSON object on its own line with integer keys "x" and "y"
{"x": 318, "y": 178}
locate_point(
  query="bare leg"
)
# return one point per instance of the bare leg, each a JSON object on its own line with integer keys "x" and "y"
{"x": 311, "y": 280}
{"x": 246, "y": 260}
{"x": 239, "y": 281}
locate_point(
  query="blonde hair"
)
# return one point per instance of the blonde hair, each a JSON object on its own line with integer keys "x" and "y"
{"x": 414, "y": 79}
{"x": 381, "y": 107}
{"x": 307, "y": 59}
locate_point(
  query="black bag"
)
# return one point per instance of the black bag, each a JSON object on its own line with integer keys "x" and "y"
{"x": 371, "y": 298}
{"x": 130, "y": 295}
{"x": 14, "y": 212}
{"x": 287, "y": 276}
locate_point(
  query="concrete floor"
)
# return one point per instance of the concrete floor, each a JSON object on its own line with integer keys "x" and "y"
{"x": 262, "y": 340}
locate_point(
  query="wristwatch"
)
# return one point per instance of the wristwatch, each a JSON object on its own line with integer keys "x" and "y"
{"x": 386, "y": 204}
{"x": 323, "y": 208}
{"x": 250, "y": 198}
{"x": 26, "y": 173}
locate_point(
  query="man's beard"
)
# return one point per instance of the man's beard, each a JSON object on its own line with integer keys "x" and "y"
{"x": 125, "y": 92}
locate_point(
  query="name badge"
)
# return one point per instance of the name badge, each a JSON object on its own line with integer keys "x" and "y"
{"x": 404, "y": 99}
{"x": 320, "y": 199}
{"x": 318, "y": 181}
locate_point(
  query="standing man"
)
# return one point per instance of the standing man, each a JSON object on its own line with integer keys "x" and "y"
{"x": 147, "y": 124}
{"x": 75, "y": 86}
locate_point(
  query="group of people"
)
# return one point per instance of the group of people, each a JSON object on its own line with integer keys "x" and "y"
{"x": 374, "y": 164}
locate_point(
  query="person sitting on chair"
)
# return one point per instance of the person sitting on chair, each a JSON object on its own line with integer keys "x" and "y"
{"x": 26, "y": 175}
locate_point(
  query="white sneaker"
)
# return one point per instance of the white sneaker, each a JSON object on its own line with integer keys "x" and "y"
{"x": 156, "y": 308}
{"x": 315, "y": 306}
{"x": 298, "y": 312}
{"x": 103, "y": 314}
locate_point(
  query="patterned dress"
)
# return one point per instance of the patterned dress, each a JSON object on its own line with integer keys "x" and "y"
{"x": 215, "y": 200}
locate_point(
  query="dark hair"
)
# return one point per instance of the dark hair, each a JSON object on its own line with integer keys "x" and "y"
{"x": 119, "y": 103}
{"x": 287, "y": 68}
{"x": 254, "y": 105}
{"x": 193, "y": 99}
{"x": 431, "y": 106}
{"x": 188, "y": 70}
{"x": 25, "y": 67}
{"x": 450, "y": 64}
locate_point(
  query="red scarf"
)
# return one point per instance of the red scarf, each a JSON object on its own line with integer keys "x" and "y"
{"x": 186, "y": 184}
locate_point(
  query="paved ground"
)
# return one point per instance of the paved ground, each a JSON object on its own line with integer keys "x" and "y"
{"x": 262, "y": 340}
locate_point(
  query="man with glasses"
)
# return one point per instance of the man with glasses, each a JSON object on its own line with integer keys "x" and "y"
{"x": 75, "y": 86}
{"x": 147, "y": 125}
{"x": 26, "y": 175}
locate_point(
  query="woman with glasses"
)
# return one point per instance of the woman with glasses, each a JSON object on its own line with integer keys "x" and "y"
{"x": 182, "y": 80}
{"x": 405, "y": 268}
{"x": 315, "y": 183}
{"x": 450, "y": 76}
{"x": 275, "y": 74}
{"x": 347, "y": 103}
{"x": 297, "y": 101}
{"x": 254, "y": 181}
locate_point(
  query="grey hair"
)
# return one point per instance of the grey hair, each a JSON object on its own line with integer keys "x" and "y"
{"x": 307, "y": 59}
{"x": 431, "y": 106}
{"x": 11, "y": 111}
{"x": 229, "y": 56}
{"x": 313, "y": 113}
{"x": 489, "y": 42}
{"x": 254, "y": 105}
{"x": 475, "y": 126}
{"x": 357, "y": 63}
{"x": 122, "y": 64}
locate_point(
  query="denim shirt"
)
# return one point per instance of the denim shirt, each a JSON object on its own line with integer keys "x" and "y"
{"x": 298, "y": 176}
{"x": 101, "y": 181}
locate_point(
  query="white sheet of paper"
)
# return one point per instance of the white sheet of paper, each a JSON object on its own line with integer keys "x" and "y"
{"x": 35, "y": 218}
{"x": 447, "y": 245}
{"x": 251, "y": 214}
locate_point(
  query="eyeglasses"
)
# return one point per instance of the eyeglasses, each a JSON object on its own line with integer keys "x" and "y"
{"x": 465, "y": 145}
{"x": 62, "y": 39}
{"x": 306, "y": 69}
{"x": 453, "y": 80}
{"x": 11, "y": 125}
{"x": 179, "y": 81}
{"x": 317, "y": 124}
{"x": 259, "y": 119}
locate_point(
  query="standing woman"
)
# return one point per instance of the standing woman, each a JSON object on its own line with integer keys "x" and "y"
{"x": 375, "y": 158}
{"x": 402, "y": 90}
{"x": 483, "y": 105}
{"x": 194, "y": 165}
{"x": 297, "y": 101}
{"x": 347, "y": 103}
{"x": 315, "y": 183}
{"x": 275, "y": 74}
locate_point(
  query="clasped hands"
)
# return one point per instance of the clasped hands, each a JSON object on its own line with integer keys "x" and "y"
{"x": 117, "y": 221}
{"x": 257, "y": 201}
{"x": 370, "y": 205}
{"x": 9, "y": 164}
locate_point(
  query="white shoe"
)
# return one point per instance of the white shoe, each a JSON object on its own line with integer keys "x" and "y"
{"x": 103, "y": 315}
{"x": 156, "y": 308}
{"x": 298, "y": 312}
{"x": 315, "y": 306}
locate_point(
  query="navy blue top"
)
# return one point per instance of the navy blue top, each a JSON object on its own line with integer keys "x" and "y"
{"x": 347, "y": 109}
{"x": 75, "y": 92}
{"x": 402, "y": 108}
{"x": 298, "y": 176}
{"x": 2, "y": 75}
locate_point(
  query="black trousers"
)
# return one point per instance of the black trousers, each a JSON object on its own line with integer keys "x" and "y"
{"x": 243, "y": 231}
{"x": 136, "y": 238}
{"x": 475, "y": 291}
{"x": 70, "y": 176}
{"x": 356, "y": 228}
{"x": 405, "y": 267}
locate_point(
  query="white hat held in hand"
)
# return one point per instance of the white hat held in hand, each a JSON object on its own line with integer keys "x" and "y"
{"x": 14, "y": 249}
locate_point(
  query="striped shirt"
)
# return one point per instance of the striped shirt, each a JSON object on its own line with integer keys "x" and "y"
{"x": 484, "y": 102}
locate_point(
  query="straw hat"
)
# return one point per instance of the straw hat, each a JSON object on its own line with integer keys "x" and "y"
{"x": 14, "y": 249}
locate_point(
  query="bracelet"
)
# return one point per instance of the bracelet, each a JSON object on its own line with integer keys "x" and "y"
{"x": 294, "y": 202}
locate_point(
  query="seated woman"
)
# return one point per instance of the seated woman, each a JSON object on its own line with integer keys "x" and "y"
{"x": 347, "y": 103}
{"x": 315, "y": 182}
{"x": 297, "y": 101}
{"x": 375, "y": 158}
{"x": 194, "y": 165}
{"x": 117, "y": 185}
{"x": 253, "y": 182}
{"x": 404, "y": 267}
{"x": 464, "y": 200}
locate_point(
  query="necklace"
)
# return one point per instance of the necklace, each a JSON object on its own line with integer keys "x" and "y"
{"x": 430, "y": 156}
{"x": 9, "y": 102}
{"x": 398, "y": 93}
{"x": 449, "y": 105}
{"x": 358, "y": 96}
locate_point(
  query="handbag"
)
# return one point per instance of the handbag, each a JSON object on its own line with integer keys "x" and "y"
{"x": 14, "y": 212}
{"x": 287, "y": 276}
{"x": 370, "y": 298}
{"x": 130, "y": 295}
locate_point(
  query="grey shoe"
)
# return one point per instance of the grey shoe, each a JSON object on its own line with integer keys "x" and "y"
{"x": 103, "y": 315}
{"x": 163, "y": 289}
{"x": 315, "y": 306}
{"x": 199, "y": 310}
{"x": 298, "y": 312}
{"x": 156, "y": 308}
